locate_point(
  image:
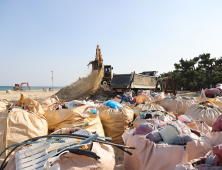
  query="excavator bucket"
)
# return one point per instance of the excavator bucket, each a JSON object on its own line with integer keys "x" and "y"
{"x": 97, "y": 64}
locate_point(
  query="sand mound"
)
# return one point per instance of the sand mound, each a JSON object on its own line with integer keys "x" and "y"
{"x": 100, "y": 95}
{"x": 82, "y": 88}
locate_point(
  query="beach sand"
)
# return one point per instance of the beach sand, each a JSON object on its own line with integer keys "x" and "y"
{"x": 38, "y": 95}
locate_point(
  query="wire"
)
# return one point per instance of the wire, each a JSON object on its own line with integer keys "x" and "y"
{"x": 4, "y": 163}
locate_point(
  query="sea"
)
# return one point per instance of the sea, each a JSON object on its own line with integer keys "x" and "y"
{"x": 24, "y": 87}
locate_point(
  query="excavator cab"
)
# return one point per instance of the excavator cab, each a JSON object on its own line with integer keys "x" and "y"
{"x": 107, "y": 74}
{"x": 107, "y": 71}
{"x": 16, "y": 87}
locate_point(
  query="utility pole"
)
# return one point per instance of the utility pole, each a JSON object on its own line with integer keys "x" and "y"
{"x": 52, "y": 80}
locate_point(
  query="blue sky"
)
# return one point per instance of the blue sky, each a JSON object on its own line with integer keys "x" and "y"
{"x": 37, "y": 37}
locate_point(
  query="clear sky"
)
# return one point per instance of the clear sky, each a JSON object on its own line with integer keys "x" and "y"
{"x": 40, "y": 36}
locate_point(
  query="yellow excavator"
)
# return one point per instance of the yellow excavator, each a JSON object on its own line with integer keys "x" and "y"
{"x": 97, "y": 64}
{"x": 17, "y": 87}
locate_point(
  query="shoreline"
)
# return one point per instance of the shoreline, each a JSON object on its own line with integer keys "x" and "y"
{"x": 37, "y": 95}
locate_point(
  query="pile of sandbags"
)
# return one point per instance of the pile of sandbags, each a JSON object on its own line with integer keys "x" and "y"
{"x": 204, "y": 111}
{"x": 178, "y": 105}
{"x": 17, "y": 124}
{"x": 116, "y": 119}
{"x": 160, "y": 145}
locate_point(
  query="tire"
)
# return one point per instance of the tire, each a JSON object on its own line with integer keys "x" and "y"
{"x": 104, "y": 82}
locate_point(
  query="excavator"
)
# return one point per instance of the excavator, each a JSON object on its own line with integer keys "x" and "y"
{"x": 97, "y": 64}
{"x": 17, "y": 87}
{"x": 164, "y": 83}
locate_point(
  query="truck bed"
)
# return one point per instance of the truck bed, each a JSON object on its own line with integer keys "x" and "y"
{"x": 121, "y": 80}
{"x": 133, "y": 81}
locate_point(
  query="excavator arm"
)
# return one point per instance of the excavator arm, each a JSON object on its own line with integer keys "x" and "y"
{"x": 97, "y": 64}
{"x": 25, "y": 83}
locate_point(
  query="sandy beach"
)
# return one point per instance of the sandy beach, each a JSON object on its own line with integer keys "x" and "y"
{"x": 37, "y": 95}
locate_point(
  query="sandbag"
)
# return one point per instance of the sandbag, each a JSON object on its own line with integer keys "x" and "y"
{"x": 202, "y": 98}
{"x": 212, "y": 92}
{"x": 200, "y": 126}
{"x": 216, "y": 101}
{"x": 205, "y": 111}
{"x": 131, "y": 105}
{"x": 19, "y": 125}
{"x": 4, "y": 104}
{"x": 215, "y": 137}
{"x": 178, "y": 105}
{"x": 217, "y": 126}
{"x": 196, "y": 125}
{"x": 149, "y": 155}
{"x": 138, "y": 120}
{"x": 116, "y": 121}
{"x": 190, "y": 165}
{"x": 79, "y": 116}
{"x": 144, "y": 98}
{"x": 31, "y": 104}
{"x": 147, "y": 106}
{"x": 73, "y": 161}
{"x": 199, "y": 148}
{"x": 159, "y": 97}
{"x": 48, "y": 102}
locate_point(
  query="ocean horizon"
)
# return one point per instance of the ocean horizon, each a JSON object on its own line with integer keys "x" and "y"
{"x": 4, "y": 88}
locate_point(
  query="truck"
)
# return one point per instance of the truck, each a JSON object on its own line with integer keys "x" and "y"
{"x": 133, "y": 81}
{"x": 119, "y": 83}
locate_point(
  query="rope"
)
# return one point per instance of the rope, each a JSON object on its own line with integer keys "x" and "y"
{"x": 177, "y": 104}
